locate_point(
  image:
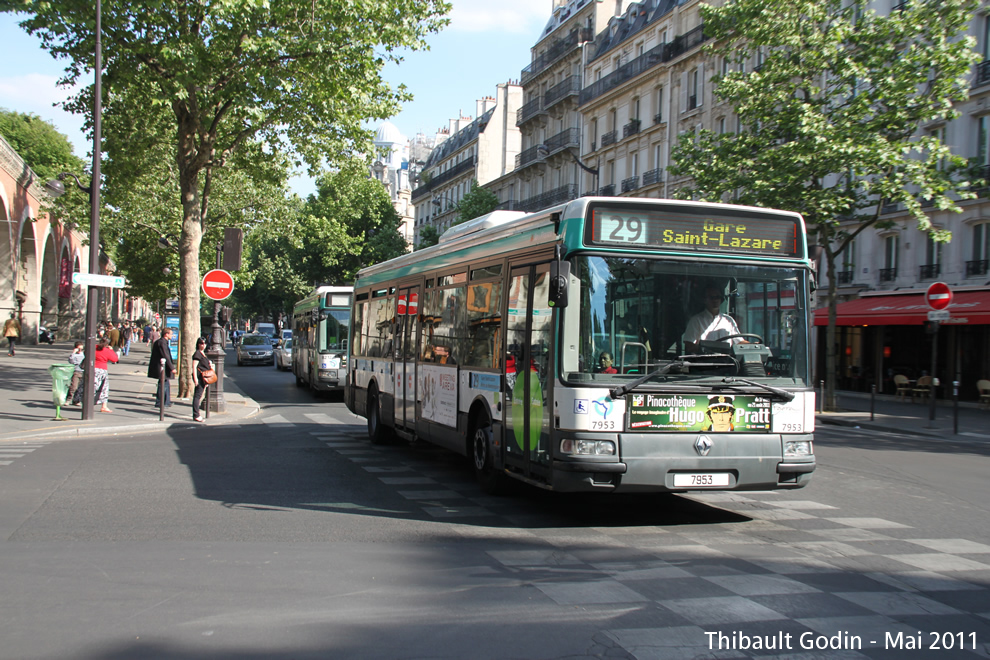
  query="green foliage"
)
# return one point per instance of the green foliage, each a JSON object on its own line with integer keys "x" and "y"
{"x": 348, "y": 224}
{"x": 476, "y": 203}
{"x": 831, "y": 118}
{"x": 428, "y": 237}
{"x": 43, "y": 148}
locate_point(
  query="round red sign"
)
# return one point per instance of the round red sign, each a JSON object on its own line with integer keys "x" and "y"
{"x": 218, "y": 284}
{"x": 939, "y": 295}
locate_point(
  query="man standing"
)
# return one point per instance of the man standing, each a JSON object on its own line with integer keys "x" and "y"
{"x": 12, "y": 331}
{"x": 114, "y": 336}
{"x": 161, "y": 350}
{"x": 125, "y": 338}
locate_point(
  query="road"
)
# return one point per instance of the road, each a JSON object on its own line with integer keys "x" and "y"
{"x": 292, "y": 537}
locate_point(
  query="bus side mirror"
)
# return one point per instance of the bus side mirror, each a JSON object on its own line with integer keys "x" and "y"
{"x": 559, "y": 274}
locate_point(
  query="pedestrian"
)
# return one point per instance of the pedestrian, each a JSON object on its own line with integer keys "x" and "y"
{"x": 76, "y": 358}
{"x": 147, "y": 333}
{"x": 125, "y": 339}
{"x": 12, "y": 331}
{"x": 161, "y": 350}
{"x": 154, "y": 336}
{"x": 101, "y": 383}
{"x": 114, "y": 334}
{"x": 202, "y": 363}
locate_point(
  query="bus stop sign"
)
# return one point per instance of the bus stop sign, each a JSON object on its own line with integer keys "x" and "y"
{"x": 939, "y": 295}
{"x": 218, "y": 284}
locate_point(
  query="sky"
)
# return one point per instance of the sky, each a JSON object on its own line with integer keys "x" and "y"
{"x": 487, "y": 43}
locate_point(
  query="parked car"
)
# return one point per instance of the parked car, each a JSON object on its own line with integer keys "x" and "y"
{"x": 255, "y": 349}
{"x": 283, "y": 354}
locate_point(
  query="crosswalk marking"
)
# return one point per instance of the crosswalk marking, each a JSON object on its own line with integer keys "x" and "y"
{"x": 9, "y": 452}
{"x": 277, "y": 420}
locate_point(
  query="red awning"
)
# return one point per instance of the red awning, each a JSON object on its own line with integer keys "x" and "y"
{"x": 966, "y": 308}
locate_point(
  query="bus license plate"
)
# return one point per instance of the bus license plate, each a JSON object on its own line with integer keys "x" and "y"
{"x": 699, "y": 480}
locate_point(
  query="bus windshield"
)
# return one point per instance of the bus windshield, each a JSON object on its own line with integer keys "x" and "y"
{"x": 692, "y": 320}
{"x": 337, "y": 328}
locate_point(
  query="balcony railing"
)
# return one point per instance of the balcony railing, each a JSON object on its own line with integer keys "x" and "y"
{"x": 631, "y": 128}
{"x": 630, "y": 184}
{"x": 888, "y": 274}
{"x": 568, "y": 138}
{"x": 465, "y": 165}
{"x": 844, "y": 277}
{"x": 609, "y": 138}
{"x": 889, "y": 208}
{"x": 529, "y": 110}
{"x": 976, "y": 268}
{"x": 560, "y": 91}
{"x": 607, "y": 191}
{"x": 652, "y": 176}
{"x": 983, "y": 172}
{"x": 658, "y": 118}
{"x": 548, "y": 198}
{"x": 531, "y": 155}
{"x": 929, "y": 271}
{"x": 651, "y": 58}
{"x": 983, "y": 72}
{"x": 560, "y": 48}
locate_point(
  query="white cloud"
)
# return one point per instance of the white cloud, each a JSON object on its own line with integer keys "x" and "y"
{"x": 516, "y": 16}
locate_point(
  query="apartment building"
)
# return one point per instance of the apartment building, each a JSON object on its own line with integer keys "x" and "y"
{"x": 482, "y": 149}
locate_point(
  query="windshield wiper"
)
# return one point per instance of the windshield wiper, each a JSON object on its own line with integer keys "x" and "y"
{"x": 620, "y": 391}
{"x": 783, "y": 394}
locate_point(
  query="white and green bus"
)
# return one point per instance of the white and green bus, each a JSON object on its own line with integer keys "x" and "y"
{"x": 556, "y": 347}
{"x": 320, "y": 328}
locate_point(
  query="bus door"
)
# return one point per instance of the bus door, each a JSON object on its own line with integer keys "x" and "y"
{"x": 407, "y": 322}
{"x": 528, "y": 368}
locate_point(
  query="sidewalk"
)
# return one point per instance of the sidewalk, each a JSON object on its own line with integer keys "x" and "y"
{"x": 905, "y": 416}
{"x": 27, "y": 411}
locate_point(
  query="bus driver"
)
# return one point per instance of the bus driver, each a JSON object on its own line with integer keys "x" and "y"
{"x": 710, "y": 324}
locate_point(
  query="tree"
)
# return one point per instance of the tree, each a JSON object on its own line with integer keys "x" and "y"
{"x": 476, "y": 203}
{"x": 832, "y": 117}
{"x": 298, "y": 76}
{"x": 348, "y": 224}
{"x": 428, "y": 237}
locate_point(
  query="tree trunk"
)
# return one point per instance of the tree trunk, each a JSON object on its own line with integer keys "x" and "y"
{"x": 189, "y": 243}
{"x": 831, "y": 356}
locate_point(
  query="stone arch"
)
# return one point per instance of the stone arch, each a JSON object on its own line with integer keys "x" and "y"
{"x": 8, "y": 256}
{"x": 48, "y": 301}
{"x": 27, "y": 280}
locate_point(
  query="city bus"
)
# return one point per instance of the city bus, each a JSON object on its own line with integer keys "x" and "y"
{"x": 320, "y": 328}
{"x": 552, "y": 347}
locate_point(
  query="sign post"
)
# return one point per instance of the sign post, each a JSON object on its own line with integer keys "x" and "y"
{"x": 218, "y": 284}
{"x": 938, "y": 297}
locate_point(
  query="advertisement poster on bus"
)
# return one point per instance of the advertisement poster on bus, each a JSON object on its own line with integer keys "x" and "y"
{"x": 438, "y": 389}
{"x": 721, "y": 413}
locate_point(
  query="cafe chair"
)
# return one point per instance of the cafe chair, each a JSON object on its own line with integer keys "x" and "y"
{"x": 983, "y": 385}
{"x": 903, "y": 386}
{"x": 923, "y": 388}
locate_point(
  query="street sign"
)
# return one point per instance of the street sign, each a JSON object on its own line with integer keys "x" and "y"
{"x": 938, "y": 315}
{"x": 938, "y": 296}
{"x": 218, "y": 284}
{"x": 88, "y": 279}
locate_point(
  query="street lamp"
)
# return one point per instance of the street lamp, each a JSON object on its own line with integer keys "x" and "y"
{"x": 56, "y": 188}
{"x": 543, "y": 151}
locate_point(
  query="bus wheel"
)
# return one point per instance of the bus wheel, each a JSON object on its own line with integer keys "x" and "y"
{"x": 377, "y": 431}
{"x": 299, "y": 381}
{"x": 491, "y": 480}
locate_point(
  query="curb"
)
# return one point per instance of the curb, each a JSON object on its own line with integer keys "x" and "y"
{"x": 873, "y": 426}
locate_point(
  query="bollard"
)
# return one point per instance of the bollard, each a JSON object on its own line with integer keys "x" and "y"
{"x": 955, "y": 407}
{"x": 821, "y": 397}
{"x": 206, "y": 400}
{"x": 161, "y": 392}
{"x": 873, "y": 398}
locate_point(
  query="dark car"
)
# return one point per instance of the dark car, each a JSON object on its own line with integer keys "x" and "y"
{"x": 255, "y": 349}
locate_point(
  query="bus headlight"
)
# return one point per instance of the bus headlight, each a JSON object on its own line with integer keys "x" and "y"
{"x": 329, "y": 375}
{"x": 587, "y": 447}
{"x": 798, "y": 448}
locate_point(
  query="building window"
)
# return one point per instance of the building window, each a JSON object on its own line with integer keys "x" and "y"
{"x": 658, "y": 98}
{"x": 889, "y": 272}
{"x": 983, "y": 140}
{"x": 721, "y": 126}
{"x": 933, "y": 252}
{"x": 694, "y": 98}
{"x": 977, "y": 266}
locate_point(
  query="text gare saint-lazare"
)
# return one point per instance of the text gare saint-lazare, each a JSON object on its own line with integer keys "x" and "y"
{"x": 721, "y": 235}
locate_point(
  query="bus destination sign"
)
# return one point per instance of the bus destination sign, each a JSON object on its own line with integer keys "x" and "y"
{"x": 742, "y": 234}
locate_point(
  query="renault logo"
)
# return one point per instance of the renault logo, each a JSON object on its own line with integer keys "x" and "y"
{"x": 703, "y": 445}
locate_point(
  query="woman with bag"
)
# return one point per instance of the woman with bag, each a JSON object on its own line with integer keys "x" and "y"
{"x": 101, "y": 357}
{"x": 205, "y": 376}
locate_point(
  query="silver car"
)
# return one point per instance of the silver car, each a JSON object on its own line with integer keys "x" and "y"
{"x": 283, "y": 355}
{"x": 255, "y": 349}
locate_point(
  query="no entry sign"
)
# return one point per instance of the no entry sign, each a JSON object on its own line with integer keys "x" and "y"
{"x": 938, "y": 296}
{"x": 218, "y": 284}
